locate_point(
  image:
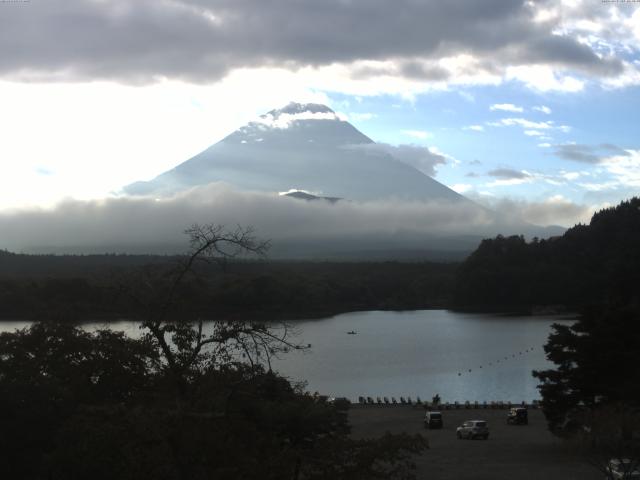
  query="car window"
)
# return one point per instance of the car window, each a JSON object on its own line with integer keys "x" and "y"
{"x": 481, "y": 424}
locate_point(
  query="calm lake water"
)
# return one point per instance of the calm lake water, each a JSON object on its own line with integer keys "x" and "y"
{"x": 459, "y": 356}
{"x": 421, "y": 353}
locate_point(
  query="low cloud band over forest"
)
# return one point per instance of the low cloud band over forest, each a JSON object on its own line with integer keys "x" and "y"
{"x": 137, "y": 224}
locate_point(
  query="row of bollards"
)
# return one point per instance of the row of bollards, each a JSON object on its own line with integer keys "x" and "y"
{"x": 386, "y": 401}
{"x": 446, "y": 405}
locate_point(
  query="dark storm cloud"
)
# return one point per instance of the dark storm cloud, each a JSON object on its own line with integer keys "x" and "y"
{"x": 419, "y": 71}
{"x": 587, "y": 153}
{"x": 203, "y": 40}
{"x": 508, "y": 174}
{"x": 563, "y": 51}
{"x": 408, "y": 68}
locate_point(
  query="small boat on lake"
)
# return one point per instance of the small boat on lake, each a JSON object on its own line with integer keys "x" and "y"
{"x": 352, "y": 332}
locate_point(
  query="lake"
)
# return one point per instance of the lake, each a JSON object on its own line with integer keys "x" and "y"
{"x": 459, "y": 356}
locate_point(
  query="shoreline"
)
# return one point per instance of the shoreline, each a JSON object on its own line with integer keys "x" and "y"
{"x": 565, "y": 314}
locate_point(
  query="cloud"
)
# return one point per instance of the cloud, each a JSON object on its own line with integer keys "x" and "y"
{"x": 156, "y": 225}
{"x": 285, "y": 120}
{"x": 202, "y": 41}
{"x": 424, "y": 159}
{"x": 593, "y": 154}
{"x": 554, "y": 210}
{"x": 542, "y": 109}
{"x": 461, "y": 187}
{"x": 508, "y": 176}
{"x": 475, "y": 128}
{"x": 531, "y": 128}
{"x": 508, "y": 173}
{"x": 625, "y": 168}
{"x": 577, "y": 153}
{"x": 136, "y": 224}
{"x": 544, "y": 78}
{"x": 545, "y": 211}
{"x": 523, "y": 122}
{"x": 506, "y": 107}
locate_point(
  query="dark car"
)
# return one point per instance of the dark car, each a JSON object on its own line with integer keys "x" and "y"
{"x": 473, "y": 429}
{"x": 518, "y": 416}
{"x": 433, "y": 420}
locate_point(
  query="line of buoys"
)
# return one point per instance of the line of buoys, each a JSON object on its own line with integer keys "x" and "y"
{"x": 513, "y": 355}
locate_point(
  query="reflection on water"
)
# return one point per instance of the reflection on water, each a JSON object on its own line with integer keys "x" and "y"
{"x": 459, "y": 356}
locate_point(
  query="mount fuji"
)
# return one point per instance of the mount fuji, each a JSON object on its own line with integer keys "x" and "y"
{"x": 301, "y": 147}
{"x": 342, "y": 197}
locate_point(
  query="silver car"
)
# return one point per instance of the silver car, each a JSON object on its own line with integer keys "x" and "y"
{"x": 473, "y": 429}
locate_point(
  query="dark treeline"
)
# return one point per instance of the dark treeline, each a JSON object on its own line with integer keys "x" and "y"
{"x": 589, "y": 265}
{"x": 90, "y": 287}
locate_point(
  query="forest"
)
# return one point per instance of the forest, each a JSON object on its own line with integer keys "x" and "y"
{"x": 77, "y": 288}
{"x": 589, "y": 265}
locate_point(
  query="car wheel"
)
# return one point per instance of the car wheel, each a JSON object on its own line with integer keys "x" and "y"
{"x": 486, "y": 437}
{"x": 459, "y": 435}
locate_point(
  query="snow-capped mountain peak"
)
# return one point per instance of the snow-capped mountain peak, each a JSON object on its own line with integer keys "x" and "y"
{"x": 299, "y": 123}
{"x": 302, "y": 146}
{"x": 294, "y": 108}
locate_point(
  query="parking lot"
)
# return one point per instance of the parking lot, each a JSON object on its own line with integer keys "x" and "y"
{"x": 524, "y": 452}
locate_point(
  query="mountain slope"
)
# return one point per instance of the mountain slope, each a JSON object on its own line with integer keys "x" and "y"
{"x": 301, "y": 147}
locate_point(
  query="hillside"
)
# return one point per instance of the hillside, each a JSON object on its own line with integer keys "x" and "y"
{"x": 590, "y": 264}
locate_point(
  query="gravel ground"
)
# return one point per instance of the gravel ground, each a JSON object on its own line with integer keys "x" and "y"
{"x": 523, "y": 452}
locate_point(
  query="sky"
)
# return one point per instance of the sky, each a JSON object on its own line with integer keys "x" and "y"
{"x": 531, "y": 104}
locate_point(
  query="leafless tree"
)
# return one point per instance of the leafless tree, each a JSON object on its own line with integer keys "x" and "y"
{"x": 188, "y": 344}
